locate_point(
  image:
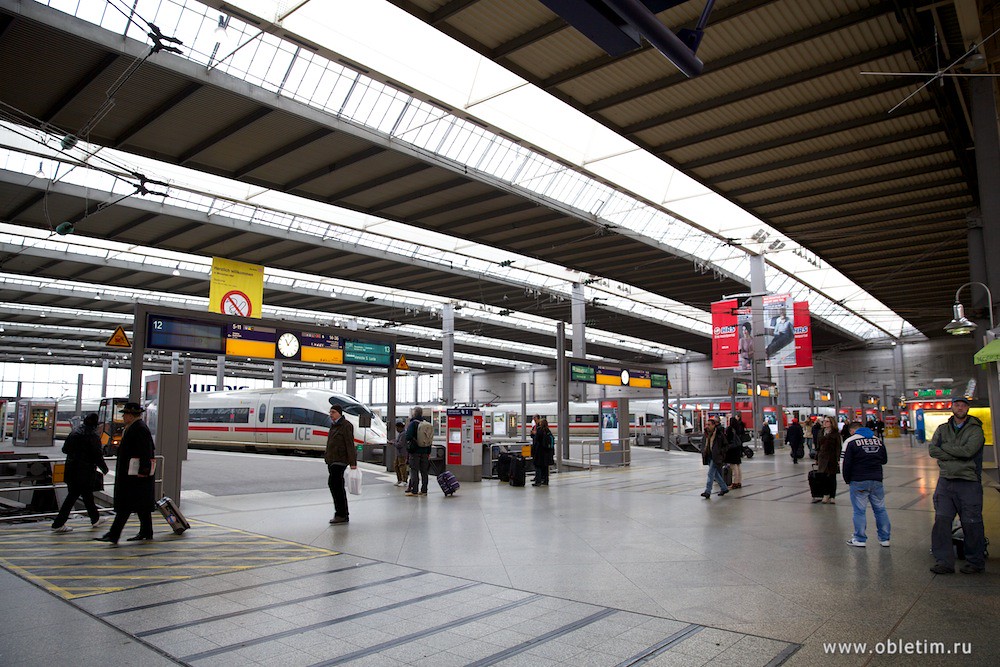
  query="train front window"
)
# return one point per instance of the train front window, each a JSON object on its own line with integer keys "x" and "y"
{"x": 300, "y": 416}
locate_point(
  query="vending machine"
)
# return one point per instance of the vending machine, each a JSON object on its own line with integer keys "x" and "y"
{"x": 464, "y": 454}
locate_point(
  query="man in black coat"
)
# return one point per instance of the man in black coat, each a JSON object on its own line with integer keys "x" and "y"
{"x": 133, "y": 492}
{"x": 83, "y": 458}
{"x": 796, "y": 438}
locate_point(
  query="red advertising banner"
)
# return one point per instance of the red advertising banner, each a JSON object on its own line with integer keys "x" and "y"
{"x": 803, "y": 336}
{"x": 725, "y": 338}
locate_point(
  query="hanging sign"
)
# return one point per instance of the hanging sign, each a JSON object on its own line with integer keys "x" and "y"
{"x": 237, "y": 288}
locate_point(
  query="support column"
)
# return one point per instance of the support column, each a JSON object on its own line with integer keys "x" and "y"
{"x": 104, "y": 377}
{"x": 758, "y": 287}
{"x": 562, "y": 398}
{"x": 448, "y": 353}
{"x": 277, "y": 373}
{"x": 79, "y": 395}
{"x": 220, "y": 373}
{"x": 472, "y": 388}
{"x": 524, "y": 412}
{"x": 899, "y": 371}
{"x": 352, "y": 372}
{"x": 175, "y": 362}
{"x": 578, "y": 314}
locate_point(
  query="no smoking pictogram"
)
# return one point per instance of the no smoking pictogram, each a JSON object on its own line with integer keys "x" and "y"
{"x": 236, "y": 303}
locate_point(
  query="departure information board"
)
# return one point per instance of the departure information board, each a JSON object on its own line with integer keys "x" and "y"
{"x": 258, "y": 341}
{"x": 625, "y": 377}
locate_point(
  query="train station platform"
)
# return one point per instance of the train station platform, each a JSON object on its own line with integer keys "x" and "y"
{"x": 622, "y": 566}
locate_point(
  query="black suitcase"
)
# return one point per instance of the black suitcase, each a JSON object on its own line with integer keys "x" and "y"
{"x": 172, "y": 515}
{"x": 517, "y": 471}
{"x": 503, "y": 466}
{"x": 727, "y": 474}
{"x": 817, "y": 484}
{"x": 449, "y": 485}
{"x": 769, "y": 448}
{"x": 747, "y": 452}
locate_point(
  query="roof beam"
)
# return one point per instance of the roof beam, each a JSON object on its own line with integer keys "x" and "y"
{"x": 224, "y": 133}
{"x": 174, "y": 233}
{"x": 151, "y": 117}
{"x": 474, "y": 200}
{"x": 97, "y": 70}
{"x": 740, "y": 57}
{"x": 807, "y": 135}
{"x": 370, "y": 184}
{"x": 290, "y": 147}
{"x": 886, "y": 207}
{"x": 852, "y": 168}
{"x": 28, "y": 203}
{"x": 904, "y": 188}
{"x": 346, "y": 161}
{"x": 131, "y": 225}
{"x": 766, "y": 87}
{"x": 417, "y": 194}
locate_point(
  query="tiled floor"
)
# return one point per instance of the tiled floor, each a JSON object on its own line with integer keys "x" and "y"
{"x": 623, "y": 566}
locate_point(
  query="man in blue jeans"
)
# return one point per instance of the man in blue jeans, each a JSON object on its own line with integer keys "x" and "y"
{"x": 713, "y": 454}
{"x": 864, "y": 456}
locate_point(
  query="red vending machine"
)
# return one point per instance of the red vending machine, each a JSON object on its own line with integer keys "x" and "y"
{"x": 464, "y": 455}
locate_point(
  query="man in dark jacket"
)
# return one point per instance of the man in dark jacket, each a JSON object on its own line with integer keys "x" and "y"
{"x": 796, "y": 438}
{"x": 713, "y": 454}
{"x": 83, "y": 458}
{"x": 864, "y": 456}
{"x": 420, "y": 457}
{"x": 958, "y": 447}
{"x": 340, "y": 453}
{"x": 134, "y": 482}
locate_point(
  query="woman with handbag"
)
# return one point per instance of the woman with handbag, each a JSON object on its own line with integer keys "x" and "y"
{"x": 734, "y": 450}
{"x": 828, "y": 459}
{"x": 83, "y": 459}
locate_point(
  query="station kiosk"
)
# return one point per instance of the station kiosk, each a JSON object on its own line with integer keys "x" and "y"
{"x": 464, "y": 455}
{"x": 35, "y": 423}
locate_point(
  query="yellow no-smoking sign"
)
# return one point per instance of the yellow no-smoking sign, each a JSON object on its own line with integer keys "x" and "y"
{"x": 237, "y": 288}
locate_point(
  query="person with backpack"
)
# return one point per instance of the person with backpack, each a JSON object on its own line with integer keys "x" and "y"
{"x": 542, "y": 450}
{"x": 419, "y": 438}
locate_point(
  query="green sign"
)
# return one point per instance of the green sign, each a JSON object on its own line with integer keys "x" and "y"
{"x": 658, "y": 380}
{"x": 373, "y": 354}
{"x": 582, "y": 373}
{"x": 932, "y": 393}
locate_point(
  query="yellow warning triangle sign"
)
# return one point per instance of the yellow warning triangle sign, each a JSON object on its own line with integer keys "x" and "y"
{"x": 118, "y": 339}
{"x": 401, "y": 365}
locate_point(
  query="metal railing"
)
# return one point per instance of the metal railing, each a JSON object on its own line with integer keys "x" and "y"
{"x": 158, "y": 481}
{"x": 589, "y": 452}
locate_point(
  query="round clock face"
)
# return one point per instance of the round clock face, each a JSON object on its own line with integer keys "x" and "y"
{"x": 625, "y": 377}
{"x": 288, "y": 345}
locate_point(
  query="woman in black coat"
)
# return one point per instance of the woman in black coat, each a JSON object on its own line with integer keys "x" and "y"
{"x": 542, "y": 452}
{"x": 135, "y": 492}
{"x": 83, "y": 458}
{"x": 734, "y": 451}
{"x": 828, "y": 459}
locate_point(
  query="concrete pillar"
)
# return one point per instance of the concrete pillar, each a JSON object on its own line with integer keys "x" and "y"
{"x": 524, "y": 412}
{"x": 758, "y": 287}
{"x": 175, "y": 362}
{"x": 578, "y": 313}
{"x": 472, "y": 388}
{"x": 899, "y": 371}
{"x": 448, "y": 353}
{"x": 104, "y": 378}
{"x": 562, "y": 390}
{"x": 277, "y": 373}
{"x": 79, "y": 394}
{"x": 220, "y": 372}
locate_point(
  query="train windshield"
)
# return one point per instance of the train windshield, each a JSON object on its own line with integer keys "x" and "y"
{"x": 351, "y": 406}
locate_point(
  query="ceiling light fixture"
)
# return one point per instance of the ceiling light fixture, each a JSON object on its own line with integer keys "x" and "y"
{"x": 41, "y": 172}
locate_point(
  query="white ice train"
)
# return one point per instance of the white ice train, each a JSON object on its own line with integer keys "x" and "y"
{"x": 504, "y": 419}
{"x": 275, "y": 419}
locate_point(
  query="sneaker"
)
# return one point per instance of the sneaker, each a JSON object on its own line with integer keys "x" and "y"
{"x": 941, "y": 568}
{"x": 63, "y": 529}
{"x": 969, "y": 568}
{"x": 884, "y": 543}
{"x": 706, "y": 494}
{"x": 855, "y": 542}
{"x": 100, "y": 522}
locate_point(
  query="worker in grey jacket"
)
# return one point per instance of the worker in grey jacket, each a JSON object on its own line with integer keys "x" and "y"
{"x": 958, "y": 447}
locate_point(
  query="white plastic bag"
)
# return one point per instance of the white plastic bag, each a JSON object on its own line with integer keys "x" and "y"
{"x": 353, "y": 479}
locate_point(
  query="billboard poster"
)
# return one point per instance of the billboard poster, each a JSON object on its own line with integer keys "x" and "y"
{"x": 609, "y": 421}
{"x": 779, "y": 334}
{"x": 744, "y": 332}
{"x": 725, "y": 342}
{"x": 803, "y": 336}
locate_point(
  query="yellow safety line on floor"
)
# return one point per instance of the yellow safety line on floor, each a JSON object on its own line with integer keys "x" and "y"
{"x": 30, "y": 552}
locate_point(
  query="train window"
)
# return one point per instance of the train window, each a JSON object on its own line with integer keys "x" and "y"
{"x": 585, "y": 419}
{"x": 219, "y": 415}
{"x": 301, "y": 416}
{"x": 262, "y": 413}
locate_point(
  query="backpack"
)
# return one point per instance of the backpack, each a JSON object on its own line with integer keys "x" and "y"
{"x": 425, "y": 434}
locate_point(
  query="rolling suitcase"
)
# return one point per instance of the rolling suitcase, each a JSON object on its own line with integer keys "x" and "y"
{"x": 448, "y": 483}
{"x": 727, "y": 474}
{"x": 517, "y": 470}
{"x": 503, "y": 466}
{"x": 817, "y": 485}
{"x": 172, "y": 515}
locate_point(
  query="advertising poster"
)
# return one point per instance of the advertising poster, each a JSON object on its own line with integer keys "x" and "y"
{"x": 609, "y": 421}
{"x": 744, "y": 332}
{"x": 779, "y": 334}
{"x": 725, "y": 342}
{"x": 803, "y": 336}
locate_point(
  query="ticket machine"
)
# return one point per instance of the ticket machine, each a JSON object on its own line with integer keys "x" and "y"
{"x": 465, "y": 444}
{"x": 35, "y": 423}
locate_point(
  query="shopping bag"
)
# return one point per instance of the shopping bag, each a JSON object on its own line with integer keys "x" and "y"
{"x": 353, "y": 479}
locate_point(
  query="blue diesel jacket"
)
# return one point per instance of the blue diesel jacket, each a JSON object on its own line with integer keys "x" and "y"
{"x": 864, "y": 456}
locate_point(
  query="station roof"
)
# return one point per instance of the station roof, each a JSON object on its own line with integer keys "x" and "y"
{"x": 801, "y": 142}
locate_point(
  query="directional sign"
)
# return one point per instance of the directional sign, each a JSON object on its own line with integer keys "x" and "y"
{"x": 374, "y": 354}
{"x": 118, "y": 339}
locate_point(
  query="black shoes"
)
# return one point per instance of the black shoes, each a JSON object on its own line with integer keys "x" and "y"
{"x": 723, "y": 492}
{"x": 969, "y": 568}
{"x": 941, "y": 568}
{"x": 106, "y": 538}
{"x": 339, "y": 519}
{"x": 706, "y": 494}
{"x": 139, "y": 538}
